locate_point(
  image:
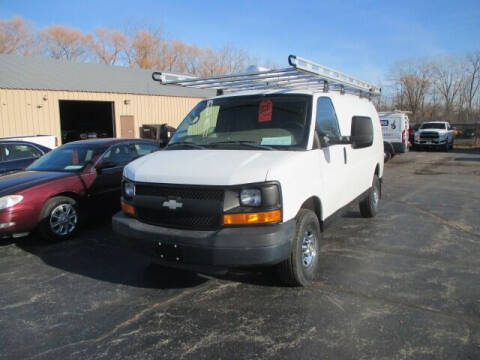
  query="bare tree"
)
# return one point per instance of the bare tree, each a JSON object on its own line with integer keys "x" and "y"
{"x": 61, "y": 42}
{"x": 146, "y": 50}
{"x": 472, "y": 81}
{"x": 108, "y": 45}
{"x": 233, "y": 60}
{"x": 174, "y": 58}
{"x": 16, "y": 37}
{"x": 192, "y": 60}
{"x": 447, "y": 79}
{"x": 411, "y": 79}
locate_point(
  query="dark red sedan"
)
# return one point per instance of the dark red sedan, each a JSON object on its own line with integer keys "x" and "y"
{"x": 58, "y": 190}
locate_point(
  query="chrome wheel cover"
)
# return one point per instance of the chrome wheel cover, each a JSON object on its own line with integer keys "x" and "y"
{"x": 309, "y": 251}
{"x": 63, "y": 219}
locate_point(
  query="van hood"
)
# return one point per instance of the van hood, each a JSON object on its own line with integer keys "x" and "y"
{"x": 205, "y": 167}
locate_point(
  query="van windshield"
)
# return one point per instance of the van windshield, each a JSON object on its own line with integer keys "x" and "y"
{"x": 250, "y": 122}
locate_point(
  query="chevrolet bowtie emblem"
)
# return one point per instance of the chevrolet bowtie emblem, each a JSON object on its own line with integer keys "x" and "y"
{"x": 172, "y": 204}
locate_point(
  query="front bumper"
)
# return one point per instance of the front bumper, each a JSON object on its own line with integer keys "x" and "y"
{"x": 194, "y": 249}
{"x": 16, "y": 222}
{"x": 433, "y": 142}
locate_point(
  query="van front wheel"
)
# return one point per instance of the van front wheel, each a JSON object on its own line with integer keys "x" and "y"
{"x": 299, "y": 269}
{"x": 369, "y": 205}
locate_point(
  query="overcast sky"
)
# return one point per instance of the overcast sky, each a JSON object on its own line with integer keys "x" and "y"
{"x": 362, "y": 38}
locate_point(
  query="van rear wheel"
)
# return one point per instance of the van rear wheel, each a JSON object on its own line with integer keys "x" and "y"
{"x": 369, "y": 205}
{"x": 299, "y": 269}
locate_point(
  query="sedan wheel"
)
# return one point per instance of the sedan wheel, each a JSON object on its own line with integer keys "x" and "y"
{"x": 63, "y": 219}
{"x": 60, "y": 218}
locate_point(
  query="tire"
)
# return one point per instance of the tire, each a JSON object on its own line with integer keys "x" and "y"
{"x": 387, "y": 155}
{"x": 299, "y": 269}
{"x": 446, "y": 147}
{"x": 59, "y": 219}
{"x": 369, "y": 205}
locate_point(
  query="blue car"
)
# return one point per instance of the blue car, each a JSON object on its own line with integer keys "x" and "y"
{"x": 17, "y": 155}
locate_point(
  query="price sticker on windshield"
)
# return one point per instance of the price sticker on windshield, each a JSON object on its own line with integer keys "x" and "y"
{"x": 265, "y": 110}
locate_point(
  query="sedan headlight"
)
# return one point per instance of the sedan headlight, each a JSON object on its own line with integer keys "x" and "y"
{"x": 129, "y": 190}
{"x": 250, "y": 197}
{"x": 9, "y": 201}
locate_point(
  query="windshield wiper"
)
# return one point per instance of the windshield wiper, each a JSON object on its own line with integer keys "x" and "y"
{"x": 187, "y": 144}
{"x": 252, "y": 144}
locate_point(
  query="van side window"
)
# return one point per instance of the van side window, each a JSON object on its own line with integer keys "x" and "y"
{"x": 326, "y": 122}
{"x": 362, "y": 127}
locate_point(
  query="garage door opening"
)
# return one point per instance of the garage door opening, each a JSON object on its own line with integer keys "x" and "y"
{"x": 86, "y": 120}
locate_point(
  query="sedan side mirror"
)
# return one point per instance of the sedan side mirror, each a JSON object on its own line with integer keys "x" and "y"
{"x": 105, "y": 165}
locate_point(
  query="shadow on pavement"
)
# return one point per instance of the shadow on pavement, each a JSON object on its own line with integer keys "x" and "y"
{"x": 465, "y": 151}
{"x": 95, "y": 253}
{"x": 7, "y": 241}
{"x": 477, "y": 159}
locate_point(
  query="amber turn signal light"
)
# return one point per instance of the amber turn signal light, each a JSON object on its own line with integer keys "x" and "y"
{"x": 128, "y": 209}
{"x": 253, "y": 218}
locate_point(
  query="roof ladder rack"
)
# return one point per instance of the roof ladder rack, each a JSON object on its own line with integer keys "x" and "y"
{"x": 302, "y": 74}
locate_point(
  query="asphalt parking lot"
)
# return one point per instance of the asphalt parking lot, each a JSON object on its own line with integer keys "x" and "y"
{"x": 405, "y": 285}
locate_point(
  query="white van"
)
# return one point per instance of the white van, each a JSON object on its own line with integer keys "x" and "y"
{"x": 395, "y": 129}
{"x": 250, "y": 177}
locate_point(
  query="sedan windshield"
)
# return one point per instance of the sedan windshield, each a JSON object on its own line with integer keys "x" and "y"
{"x": 247, "y": 122}
{"x": 433, "y": 126}
{"x": 68, "y": 158}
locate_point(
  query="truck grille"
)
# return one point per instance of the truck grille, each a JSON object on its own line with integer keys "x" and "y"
{"x": 201, "y": 209}
{"x": 429, "y": 135}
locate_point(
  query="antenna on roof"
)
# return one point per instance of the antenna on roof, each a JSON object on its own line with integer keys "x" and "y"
{"x": 302, "y": 74}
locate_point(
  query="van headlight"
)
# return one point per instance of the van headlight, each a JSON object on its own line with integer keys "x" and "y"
{"x": 253, "y": 204}
{"x": 250, "y": 197}
{"x": 9, "y": 201}
{"x": 128, "y": 190}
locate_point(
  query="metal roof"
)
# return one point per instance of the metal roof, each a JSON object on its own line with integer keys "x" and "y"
{"x": 41, "y": 73}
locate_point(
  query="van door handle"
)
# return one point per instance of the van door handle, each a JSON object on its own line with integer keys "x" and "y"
{"x": 345, "y": 154}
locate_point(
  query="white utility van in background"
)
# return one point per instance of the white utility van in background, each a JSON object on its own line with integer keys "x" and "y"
{"x": 252, "y": 174}
{"x": 395, "y": 127}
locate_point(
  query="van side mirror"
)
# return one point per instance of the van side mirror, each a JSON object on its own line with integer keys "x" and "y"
{"x": 362, "y": 132}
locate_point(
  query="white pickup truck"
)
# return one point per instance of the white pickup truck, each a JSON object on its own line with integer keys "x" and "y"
{"x": 438, "y": 134}
{"x": 250, "y": 177}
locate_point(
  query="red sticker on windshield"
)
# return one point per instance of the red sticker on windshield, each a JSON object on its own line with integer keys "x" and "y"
{"x": 265, "y": 110}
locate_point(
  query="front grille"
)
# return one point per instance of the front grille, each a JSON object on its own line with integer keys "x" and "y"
{"x": 202, "y": 207}
{"x": 429, "y": 135}
{"x": 178, "y": 220}
{"x": 193, "y": 193}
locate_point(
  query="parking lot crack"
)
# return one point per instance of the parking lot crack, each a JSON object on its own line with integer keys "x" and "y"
{"x": 470, "y": 320}
{"x": 442, "y": 220}
{"x": 207, "y": 286}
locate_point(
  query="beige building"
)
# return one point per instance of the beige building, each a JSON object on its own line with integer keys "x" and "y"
{"x": 71, "y": 100}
